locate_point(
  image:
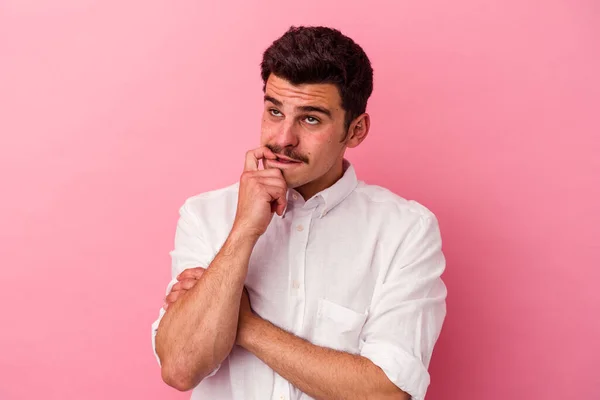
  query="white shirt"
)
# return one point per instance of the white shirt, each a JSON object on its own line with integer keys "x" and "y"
{"x": 355, "y": 268}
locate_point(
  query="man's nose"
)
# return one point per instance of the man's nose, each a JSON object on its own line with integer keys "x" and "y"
{"x": 286, "y": 135}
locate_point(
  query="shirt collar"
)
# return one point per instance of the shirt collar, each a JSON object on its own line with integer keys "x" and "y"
{"x": 336, "y": 193}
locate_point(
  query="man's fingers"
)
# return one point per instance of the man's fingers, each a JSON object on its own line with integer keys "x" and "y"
{"x": 253, "y": 156}
{"x": 185, "y": 284}
{"x": 272, "y": 172}
{"x": 281, "y": 204}
{"x": 274, "y": 181}
{"x": 279, "y": 196}
{"x": 275, "y": 191}
{"x": 172, "y": 297}
{"x": 191, "y": 273}
{"x": 278, "y": 206}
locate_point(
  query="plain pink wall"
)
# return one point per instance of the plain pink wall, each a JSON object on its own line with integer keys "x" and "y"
{"x": 113, "y": 112}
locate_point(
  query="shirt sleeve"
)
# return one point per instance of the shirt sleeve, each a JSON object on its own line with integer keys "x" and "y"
{"x": 191, "y": 250}
{"x": 408, "y": 310}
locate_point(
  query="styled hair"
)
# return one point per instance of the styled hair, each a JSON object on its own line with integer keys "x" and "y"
{"x": 305, "y": 55}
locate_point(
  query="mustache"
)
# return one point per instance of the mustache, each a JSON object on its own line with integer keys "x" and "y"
{"x": 286, "y": 151}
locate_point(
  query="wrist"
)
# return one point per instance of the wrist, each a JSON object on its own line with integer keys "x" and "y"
{"x": 249, "y": 331}
{"x": 241, "y": 232}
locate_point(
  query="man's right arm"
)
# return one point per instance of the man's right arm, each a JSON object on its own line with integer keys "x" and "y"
{"x": 190, "y": 343}
{"x": 198, "y": 332}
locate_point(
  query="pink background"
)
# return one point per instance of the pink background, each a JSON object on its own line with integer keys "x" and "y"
{"x": 113, "y": 112}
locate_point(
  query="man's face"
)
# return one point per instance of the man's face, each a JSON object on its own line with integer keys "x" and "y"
{"x": 304, "y": 123}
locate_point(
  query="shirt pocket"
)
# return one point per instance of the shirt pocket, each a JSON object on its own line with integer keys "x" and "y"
{"x": 338, "y": 327}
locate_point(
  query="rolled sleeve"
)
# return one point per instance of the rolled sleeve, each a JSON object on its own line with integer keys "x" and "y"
{"x": 190, "y": 251}
{"x": 408, "y": 309}
{"x": 402, "y": 368}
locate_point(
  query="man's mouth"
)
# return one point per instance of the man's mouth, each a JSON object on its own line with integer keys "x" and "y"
{"x": 286, "y": 160}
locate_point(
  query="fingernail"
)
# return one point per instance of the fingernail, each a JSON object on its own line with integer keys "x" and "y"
{"x": 165, "y": 306}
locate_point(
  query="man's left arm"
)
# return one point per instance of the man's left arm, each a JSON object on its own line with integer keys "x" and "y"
{"x": 320, "y": 372}
{"x": 405, "y": 320}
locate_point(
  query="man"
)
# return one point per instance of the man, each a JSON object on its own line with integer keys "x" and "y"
{"x": 338, "y": 295}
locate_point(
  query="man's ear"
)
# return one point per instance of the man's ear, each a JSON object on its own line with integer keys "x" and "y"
{"x": 358, "y": 130}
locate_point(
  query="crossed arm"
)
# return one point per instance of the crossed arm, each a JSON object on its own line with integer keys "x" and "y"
{"x": 320, "y": 372}
{"x": 191, "y": 344}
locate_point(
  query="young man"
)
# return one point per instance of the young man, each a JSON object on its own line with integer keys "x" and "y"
{"x": 338, "y": 295}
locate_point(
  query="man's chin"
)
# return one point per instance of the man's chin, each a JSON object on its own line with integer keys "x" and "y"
{"x": 291, "y": 183}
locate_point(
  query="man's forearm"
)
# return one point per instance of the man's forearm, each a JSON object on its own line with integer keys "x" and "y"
{"x": 199, "y": 330}
{"x": 320, "y": 372}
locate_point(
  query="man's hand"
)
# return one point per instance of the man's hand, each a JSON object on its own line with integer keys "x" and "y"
{"x": 261, "y": 193}
{"x": 186, "y": 280}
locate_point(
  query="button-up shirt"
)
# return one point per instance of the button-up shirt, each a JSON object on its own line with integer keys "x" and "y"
{"x": 354, "y": 268}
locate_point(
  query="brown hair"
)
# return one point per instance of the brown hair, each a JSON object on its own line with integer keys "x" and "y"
{"x": 322, "y": 55}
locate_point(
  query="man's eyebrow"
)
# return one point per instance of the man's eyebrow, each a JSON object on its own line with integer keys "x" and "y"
{"x": 301, "y": 108}
{"x": 315, "y": 109}
{"x": 273, "y": 100}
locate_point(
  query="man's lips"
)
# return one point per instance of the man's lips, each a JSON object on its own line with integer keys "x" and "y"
{"x": 286, "y": 159}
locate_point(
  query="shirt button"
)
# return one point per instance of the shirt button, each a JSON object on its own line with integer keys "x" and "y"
{"x": 299, "y": 228}
{"x": 295, "y": 196}
{"x": 296, "y": 284}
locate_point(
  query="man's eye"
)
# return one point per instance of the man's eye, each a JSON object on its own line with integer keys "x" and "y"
{"x": 311, "y": 120}
{"x": 275, "y": 112}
